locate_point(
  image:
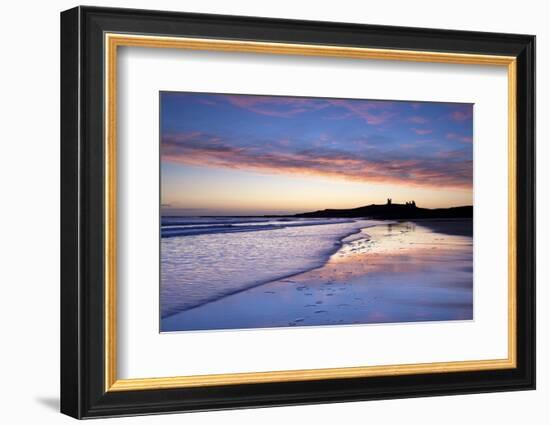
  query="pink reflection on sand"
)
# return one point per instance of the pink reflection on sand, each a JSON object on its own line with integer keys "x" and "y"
{"x": 398, "y": 248}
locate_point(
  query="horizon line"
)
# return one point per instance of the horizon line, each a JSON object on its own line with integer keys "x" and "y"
{"x": 290, "y": 214}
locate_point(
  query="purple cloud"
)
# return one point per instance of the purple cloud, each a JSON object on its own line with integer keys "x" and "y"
{"x": 284, "y": 107}
{"x": 199, "y": 149}
{"x": 417, "y": 119}
{"x": 458, "y": 137}
{"x": 374, "y": 113}
{"x": 462, "y": 113}
{"x": 422, "y": 131}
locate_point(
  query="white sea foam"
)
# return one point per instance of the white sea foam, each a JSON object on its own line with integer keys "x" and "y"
{"x": 213, "y": 257}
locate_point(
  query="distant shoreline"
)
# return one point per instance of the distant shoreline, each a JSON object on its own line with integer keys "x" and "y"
{"x": 389, "y": 211}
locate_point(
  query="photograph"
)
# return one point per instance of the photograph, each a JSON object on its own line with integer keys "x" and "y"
{"x": 282, "y": 210}
{"x": 286, "y": 211}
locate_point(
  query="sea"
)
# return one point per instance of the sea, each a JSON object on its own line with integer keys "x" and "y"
{"x": 207, "y": 258}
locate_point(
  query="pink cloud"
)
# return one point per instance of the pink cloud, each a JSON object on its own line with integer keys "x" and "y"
{"x": 391, "y": 168}
{"x": 373, "y": 113}
{"x": 417, "y": 120}
{"x": 462, "y": 113}
{"x": 283, "y": 107}
{"x": 457, "y": 154}
{"x": 458, "y": 137}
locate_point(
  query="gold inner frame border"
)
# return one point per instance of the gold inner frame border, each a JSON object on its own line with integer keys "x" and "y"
{"x": 111, "y": 43}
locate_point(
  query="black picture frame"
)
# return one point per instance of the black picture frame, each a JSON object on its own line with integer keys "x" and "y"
{"x": 83, "y": 392}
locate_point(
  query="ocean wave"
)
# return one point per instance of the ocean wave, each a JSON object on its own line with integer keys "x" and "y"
{"x": 189, "y": 229}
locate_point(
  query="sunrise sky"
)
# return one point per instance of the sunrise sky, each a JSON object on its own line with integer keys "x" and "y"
{"x": 248, "y": 155}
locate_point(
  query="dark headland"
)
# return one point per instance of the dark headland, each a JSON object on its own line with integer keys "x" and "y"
{"x": 391, "y": 211}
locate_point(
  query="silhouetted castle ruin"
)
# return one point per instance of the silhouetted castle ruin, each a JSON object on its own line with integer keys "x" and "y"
{"x": 391, "y": 211}
{"x": 407, "y": 204}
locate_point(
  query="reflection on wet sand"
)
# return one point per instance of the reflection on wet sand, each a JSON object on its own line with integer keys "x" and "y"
{"x": 396, "y": 272}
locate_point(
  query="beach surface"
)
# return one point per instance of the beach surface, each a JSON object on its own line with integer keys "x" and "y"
{"x": 387, "y": 273}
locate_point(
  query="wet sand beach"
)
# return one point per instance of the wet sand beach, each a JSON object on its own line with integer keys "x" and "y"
{"x": 395, "y": 272}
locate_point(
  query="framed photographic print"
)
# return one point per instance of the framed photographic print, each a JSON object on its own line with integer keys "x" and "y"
{"x": 261, "y": 212}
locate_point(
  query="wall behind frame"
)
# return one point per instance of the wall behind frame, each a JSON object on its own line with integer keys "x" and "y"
{"x": 29, "y": 224}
